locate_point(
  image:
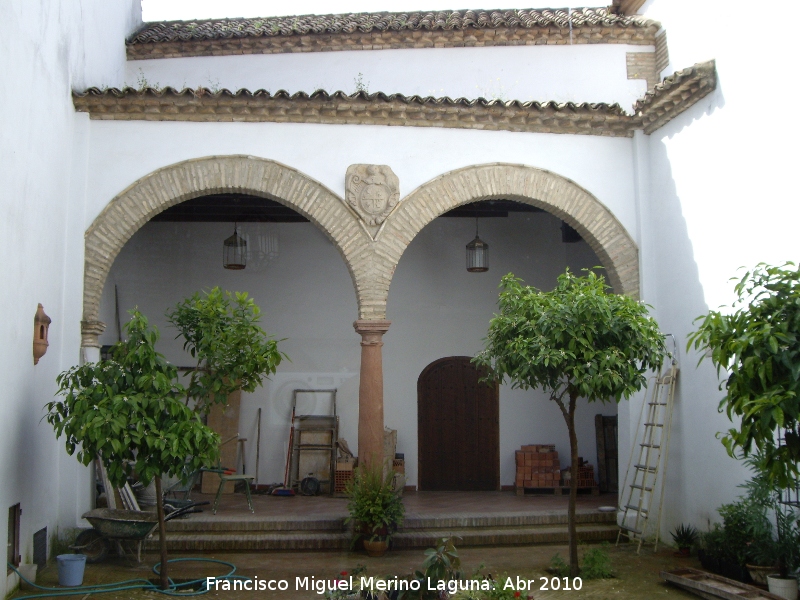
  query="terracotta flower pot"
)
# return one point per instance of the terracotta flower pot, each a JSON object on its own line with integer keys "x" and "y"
{"x": 759, "y": 574}
{"x": 376, "y": 548}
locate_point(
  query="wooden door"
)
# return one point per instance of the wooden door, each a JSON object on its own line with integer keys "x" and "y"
{"x": 607, "y": 459}
{"x": 458, "y": 427}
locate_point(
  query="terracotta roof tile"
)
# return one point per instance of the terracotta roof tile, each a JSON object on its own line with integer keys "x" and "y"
{"x": 173, "y": 31}
{"x": 202, "y": 104}
{"x": 667, "y": 100}
{"x": 675, "y": 94}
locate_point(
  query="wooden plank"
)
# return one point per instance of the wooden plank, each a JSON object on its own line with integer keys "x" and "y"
{"x": 225, "y": 422}
{"x": 600, "y": 435}
{"x": 111, "y": 499}
{"x": 128, "y": 498}
{"x": 612, "y": 454}
{"x": 708, "y": 585}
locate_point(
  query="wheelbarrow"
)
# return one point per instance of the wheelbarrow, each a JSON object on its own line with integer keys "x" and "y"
{"x": 117, "y": 526}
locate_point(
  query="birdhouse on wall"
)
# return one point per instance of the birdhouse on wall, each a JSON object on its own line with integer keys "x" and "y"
{"x": 41, "y": 325}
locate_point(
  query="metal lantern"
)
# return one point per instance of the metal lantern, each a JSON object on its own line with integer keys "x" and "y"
{"x": 234, "y": 252}
{"x": 477, "y": 254}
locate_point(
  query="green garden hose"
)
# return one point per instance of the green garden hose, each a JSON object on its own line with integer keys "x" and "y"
{"x": 174, "y": 589}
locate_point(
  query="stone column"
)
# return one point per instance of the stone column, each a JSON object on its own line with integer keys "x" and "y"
{"x": 370, "y": 391}
{"x": 90, "y": 340}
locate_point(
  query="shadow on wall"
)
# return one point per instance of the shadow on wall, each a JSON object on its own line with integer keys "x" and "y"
{"x": 700, "y": 475}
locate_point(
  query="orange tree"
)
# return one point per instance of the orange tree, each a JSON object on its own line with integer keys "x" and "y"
{"x": 221, "y": 332}
{"x": 576, "y": 341}
{"x": 757, "y": 345}
{"x": 127, "y": 412}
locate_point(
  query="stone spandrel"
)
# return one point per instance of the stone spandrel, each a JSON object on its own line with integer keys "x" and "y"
{"x": 372, "y": 191}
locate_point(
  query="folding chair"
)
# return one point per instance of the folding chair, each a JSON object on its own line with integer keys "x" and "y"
{"x": 224, "y": 477}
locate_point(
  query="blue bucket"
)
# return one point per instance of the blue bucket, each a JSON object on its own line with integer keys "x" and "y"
{"x": 70, "y": 569}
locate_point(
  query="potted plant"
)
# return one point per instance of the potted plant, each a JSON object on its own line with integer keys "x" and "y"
{"x": 780, "y": 551}
{"x": 685, "y": 537}
{"x": 726, "y": 548}
{"x": 376, "y": 510}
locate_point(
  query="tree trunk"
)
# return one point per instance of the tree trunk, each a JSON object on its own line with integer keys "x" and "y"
{"x": 574, "y": 568}
{"x": 162, "y": 534}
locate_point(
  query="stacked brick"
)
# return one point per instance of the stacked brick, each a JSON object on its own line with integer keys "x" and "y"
{"x": 538, "y": 467}
{"x": 586, "y": 476}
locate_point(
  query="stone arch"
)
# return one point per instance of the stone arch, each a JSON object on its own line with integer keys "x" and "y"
{"x": 159, "y": 190}
{"x": 557, "y": 195}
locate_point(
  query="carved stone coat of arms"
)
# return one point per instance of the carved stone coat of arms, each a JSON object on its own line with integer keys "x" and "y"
{"x": 372, "y": 191}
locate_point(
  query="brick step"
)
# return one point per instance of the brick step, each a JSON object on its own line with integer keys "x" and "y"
{"x": 509, "y": 520}
{"x": 214, "y": 524}
{"x": 505, "y": 537}
{"x": 208, "y": 522}
{"x": 249, "y": 540}
{"x": 413, "y": 538}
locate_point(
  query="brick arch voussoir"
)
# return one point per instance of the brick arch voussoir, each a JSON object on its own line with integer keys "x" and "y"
{"x": 157, "y": 191}
{"x": 562, "y": 197}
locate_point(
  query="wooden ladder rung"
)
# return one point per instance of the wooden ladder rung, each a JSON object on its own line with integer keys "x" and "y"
{"x": 646, "y": 468}
{"x": 631, "y": 529}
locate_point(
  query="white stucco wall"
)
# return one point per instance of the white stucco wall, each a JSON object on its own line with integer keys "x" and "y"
{"x": 45, "y": 50}
{"x": 122, "y": 152}
{"x": 718, "y": 192}
{"x": 437, "y": 309}
{"x": 577, "y": 73}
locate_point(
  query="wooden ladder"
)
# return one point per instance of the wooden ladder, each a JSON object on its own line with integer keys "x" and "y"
{"x": 652, "y": 460}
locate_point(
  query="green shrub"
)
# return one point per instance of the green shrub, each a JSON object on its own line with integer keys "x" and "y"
{"x": 596, "y": 564}
{"x": 558, "y": 567}
{"x": 684, "y": 536}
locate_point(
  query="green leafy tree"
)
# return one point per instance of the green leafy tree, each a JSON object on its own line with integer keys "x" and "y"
{"x": 576, "y": 341}
{"x": 127, "y": 412}
{"x": 221, "y": 331}
{"x": 758, "y": 347}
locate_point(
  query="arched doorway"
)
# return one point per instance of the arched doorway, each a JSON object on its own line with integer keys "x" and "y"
{"x": 458, "y": 427}
{"x": 174, "y": 184}
{"x": 615, "y": 248}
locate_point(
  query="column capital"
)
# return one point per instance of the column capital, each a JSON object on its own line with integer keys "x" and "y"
{"x": 366, "y": 326}
{"x": 90, "y": 333}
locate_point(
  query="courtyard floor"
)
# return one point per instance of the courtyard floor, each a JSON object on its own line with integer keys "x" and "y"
{"x": 636, "y": 576}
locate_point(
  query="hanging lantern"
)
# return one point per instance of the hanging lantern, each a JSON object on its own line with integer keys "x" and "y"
{"x": 477, "y": 254}
{"x": 234, "y": 252}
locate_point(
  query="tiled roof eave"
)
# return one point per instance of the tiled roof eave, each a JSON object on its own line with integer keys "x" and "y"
{"x": 675, "y": 94}
{"x": 169, "y": 104}
{"x": 375, "y": 31}
{"x": 663, "y": 103}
